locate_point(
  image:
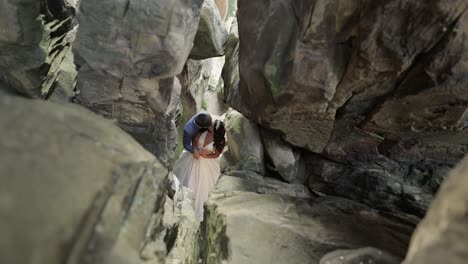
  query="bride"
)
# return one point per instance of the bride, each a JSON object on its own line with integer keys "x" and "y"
{"x": 200, "y": 171}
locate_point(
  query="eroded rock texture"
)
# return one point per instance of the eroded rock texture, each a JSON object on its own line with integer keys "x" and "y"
{"x": 377, "y": 88}
{"x": 211, "y": 35}
{"x": 35, "y": 39}
{"x": 244, "y": 143}
{"x": 128, "y": 53}
{"x": 182, "y": 227}
{"x": 443, "y": 233}
{"x": 230, "y": 72}
{"x": 283, "y": 159}
{"x": 250, "y": 219}
{"x": 75, "y": 188}
{"x": 366, "y": 255}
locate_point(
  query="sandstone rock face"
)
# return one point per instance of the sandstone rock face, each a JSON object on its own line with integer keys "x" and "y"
{"x": 128, "y": 53}
{"x": 201, "y": 81}
{"x": 146, "y": 39}
{"x": 66, "y": 80}
{"x": 244, "y": 143}
{"x": 246, "y": 223}
{"x": 284, "y": 158}
{"x": 377, "y": 88}
{"x": 442, "y": 235}
{"x": 361, "y": 99}
{"x": 366, "y": 255}
{"x": 182, "y": 228}
{"x": 75, "y": 188}
{"x": 211, "y": 34}
{"x": 34, "y": 40}
{"x": 145, "y": 108}
{"x": 230, "y": 72}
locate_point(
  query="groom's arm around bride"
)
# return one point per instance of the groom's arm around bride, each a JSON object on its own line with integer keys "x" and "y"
{"x": 192, "y": 128}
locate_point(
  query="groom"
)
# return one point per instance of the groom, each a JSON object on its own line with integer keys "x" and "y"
{"x": 192, "y": 127}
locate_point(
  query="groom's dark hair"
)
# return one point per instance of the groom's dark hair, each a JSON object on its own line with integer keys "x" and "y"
{"x": 203, "y": 120}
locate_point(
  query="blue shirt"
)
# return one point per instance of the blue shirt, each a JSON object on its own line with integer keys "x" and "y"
{"x": 191, "y": 129}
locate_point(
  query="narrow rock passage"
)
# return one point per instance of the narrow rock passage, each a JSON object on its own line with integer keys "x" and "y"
{"x": 345, "y": 122}
{"x": 251, "y": 218}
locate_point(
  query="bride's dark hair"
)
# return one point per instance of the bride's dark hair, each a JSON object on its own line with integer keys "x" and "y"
{"x": 219, "y": 131}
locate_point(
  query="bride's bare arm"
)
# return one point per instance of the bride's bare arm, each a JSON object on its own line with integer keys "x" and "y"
{"x": 211, "y": 155}
{"x": 205, "y": 152}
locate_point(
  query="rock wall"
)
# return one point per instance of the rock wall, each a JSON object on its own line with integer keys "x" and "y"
{"x": 126, "y": 57}
{"x": 75, "y": 188}
{"x": 35, "y": 39}
{"x": 182, "y": 228}
{"x": 230, "y": 71}
{"x": 365, "y": 100}
{"x": 211, "y": 34}
{"x": 127, "y": 54}
{"x": 443, "y": 234}
{"x": 244, "y": 143}
{"x": 376, "y": 89}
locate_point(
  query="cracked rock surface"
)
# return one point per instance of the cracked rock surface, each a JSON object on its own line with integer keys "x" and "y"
{"x": 75, "y": 188}
{"x": 378, "y": 90}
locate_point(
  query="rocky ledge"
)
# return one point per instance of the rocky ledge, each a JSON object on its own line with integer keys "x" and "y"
{"x": 252, "y": 219}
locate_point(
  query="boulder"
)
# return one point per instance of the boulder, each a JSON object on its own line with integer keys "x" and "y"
{"x": 182, "y": 228}
{"x": 366, "y": 255}
{"x": 211, "y": 34}
{"x": 164, "y": 103}
{"x": 245, "y": 225}
{"x": 244, "y": 143}
{"x": 297, "y": 57}
{"x": 442, "y": 236}
{"x": 201, "y": 83}
{"x": 66, "y": 80}
{"x": 195, "y": 80}
{"x": 230, "y": 73}
{"x": 34, "y": 40}
{"x": 145, "y": 39}
{"x": 383, "y": 185}
{"x": 75, "y": 188}
{"x": 128, "y": 53}
{"x": 284, "y": 158}
{"x": 375, "y": 88}
{"x": 145, "y": 108}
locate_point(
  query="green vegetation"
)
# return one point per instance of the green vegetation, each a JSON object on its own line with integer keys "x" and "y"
{"x": 234, "y": 119}
{"x": 204, "y": 104}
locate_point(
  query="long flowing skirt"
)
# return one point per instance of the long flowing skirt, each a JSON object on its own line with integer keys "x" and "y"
{"x": 198, "y": 175}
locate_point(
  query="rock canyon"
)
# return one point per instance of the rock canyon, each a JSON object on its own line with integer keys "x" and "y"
{"x": 346, "y": 129}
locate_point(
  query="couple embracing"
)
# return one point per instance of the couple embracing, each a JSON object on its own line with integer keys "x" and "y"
{"x": 198, "y": 167}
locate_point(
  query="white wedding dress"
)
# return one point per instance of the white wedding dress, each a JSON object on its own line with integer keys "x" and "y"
{"x": 198, "y": 175}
